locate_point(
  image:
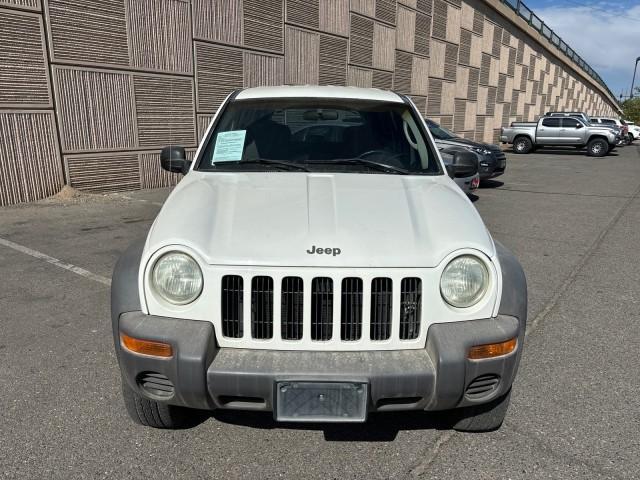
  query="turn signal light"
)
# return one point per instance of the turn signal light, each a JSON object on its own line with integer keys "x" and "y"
{"x": 146, "y": 347}
{"x": 492, "y": 349}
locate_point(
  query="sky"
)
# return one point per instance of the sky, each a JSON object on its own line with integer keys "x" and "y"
{"x": 606, "y": 34}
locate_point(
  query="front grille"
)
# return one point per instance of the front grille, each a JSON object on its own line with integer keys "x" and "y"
{"x": 156, "y": 384}
{"x": 292, "y": 311}
{"x": 365, "y": 310}
{"x": 351, "y": 309}
{"x": 410, "y": 308}
{"x": 262, "y": 307}
{"x": 231, "y": 303}
{"x": 381, "y": 295}
{"x": 482, "y": 386}
{"x": 500, "y": 157}
{"x": 321, "y": 308}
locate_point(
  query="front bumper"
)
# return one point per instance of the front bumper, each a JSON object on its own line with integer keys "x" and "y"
{"x": 205, "y": 376}
{"x": 492, "y": 165}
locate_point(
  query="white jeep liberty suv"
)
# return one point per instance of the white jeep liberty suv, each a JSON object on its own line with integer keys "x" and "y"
{"x": 318, "y": 262}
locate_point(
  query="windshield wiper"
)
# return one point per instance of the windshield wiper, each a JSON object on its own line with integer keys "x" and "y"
{"x": 382, "y": 167}
{"x": 284, "y": 165}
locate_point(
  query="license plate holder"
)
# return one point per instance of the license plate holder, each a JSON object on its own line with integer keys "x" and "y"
{"x": 304, "y": 401}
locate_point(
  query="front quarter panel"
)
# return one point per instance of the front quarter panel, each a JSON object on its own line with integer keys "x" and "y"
{"x": 125, "y": 296}
{"x": 513, "y": 301}
{"x": 514, "y": 298}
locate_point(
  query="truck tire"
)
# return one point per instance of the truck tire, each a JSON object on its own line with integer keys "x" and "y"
{"x": 630, "y": 137}
{"x": 483, "y": 418}
{"x": 156, "y": 414}
{"x": 522, "y": 145}
{"x": 598, "y": 147}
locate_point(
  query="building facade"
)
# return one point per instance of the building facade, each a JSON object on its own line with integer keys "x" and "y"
{"x": 91, "y": 90}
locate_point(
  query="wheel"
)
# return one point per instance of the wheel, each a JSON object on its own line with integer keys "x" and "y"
{"x": 597, "y": 147}
{"x": 522, "y": 145}
{"x": 630, "y": 139}
{"x": 156, "y": 414}
{"x": 482, "y": 418}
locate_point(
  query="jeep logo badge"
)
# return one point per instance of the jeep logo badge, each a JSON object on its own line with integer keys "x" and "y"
{"x": 327, "y": 251}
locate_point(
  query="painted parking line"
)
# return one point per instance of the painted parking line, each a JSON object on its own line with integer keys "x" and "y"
{"x": 54, "y": 261}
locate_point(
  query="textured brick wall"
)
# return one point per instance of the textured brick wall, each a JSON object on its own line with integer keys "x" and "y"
{"x": 90, "y": 90}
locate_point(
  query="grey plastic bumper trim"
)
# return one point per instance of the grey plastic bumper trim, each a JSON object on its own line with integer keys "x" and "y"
{"x": 208, "y": 377}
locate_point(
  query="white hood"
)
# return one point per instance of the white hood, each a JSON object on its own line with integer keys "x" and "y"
{"x": 273, "y": 219}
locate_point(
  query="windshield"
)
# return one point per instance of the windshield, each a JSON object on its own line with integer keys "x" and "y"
{"x": 440, "y": 132}
{"x": 315, "y": 134}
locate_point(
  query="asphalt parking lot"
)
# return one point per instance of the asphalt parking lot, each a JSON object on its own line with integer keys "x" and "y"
{"x": 572, "y": 220}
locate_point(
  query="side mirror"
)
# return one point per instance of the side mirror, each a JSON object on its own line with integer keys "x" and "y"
{"x": 463, "y": 164}
{"x": 450, "y": 170}
{"x": 174, "y": 159}
{"x": 578, "y": 126}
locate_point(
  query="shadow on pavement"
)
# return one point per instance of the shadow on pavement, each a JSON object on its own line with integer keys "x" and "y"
{"x": 491, "y": 184}
{"x": 567, "y": 151}
{"x": 561, "y": 151}
{"x": 383, "y": 427}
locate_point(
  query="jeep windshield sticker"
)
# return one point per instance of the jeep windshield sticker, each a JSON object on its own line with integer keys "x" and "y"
{"x": 229, "y": 146}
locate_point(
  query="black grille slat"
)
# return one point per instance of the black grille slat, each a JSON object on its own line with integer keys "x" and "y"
{"x": 410, "y": 308}
{"x": 381, "y": 308}
{"x": 262, "y": 307}
{"x": 351, "y": 309}
{"x": 321, "y": 308}
{"x": 231, "y": 304}
{"x": 292, "y": 308}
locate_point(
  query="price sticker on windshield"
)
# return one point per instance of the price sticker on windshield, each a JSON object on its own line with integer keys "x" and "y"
{"x": 229, "y": 146}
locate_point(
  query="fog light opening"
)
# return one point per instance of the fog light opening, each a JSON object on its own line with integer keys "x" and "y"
{"x": 146, "y": 347}
{"x": 491, "y": 350}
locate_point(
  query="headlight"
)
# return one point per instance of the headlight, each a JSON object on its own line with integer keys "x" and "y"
{"x": 177, "y": 278}
{"x": 464, "y": 281}
{"x": 481, "y": 150}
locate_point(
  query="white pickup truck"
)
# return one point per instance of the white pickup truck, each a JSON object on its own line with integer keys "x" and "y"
{"x": 318, "y": 262}
{"x": 559, "y": 131}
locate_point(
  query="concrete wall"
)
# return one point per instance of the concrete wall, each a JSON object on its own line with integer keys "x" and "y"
{"x": 90, "y": 90}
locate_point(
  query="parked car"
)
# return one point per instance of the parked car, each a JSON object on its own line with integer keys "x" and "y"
{"x": 467, "y": 183}
{"x": 319, "y": 279}
{"x": 622, "y": 126}
{"x": 634, "y": 130}
{"x": 492, "y": 160}
{"x": 558, "y": 131}
{"x": 620, "y": 138}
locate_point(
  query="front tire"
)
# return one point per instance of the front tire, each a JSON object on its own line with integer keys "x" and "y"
{"x": 154, "y": 414}
{"x": 483, "y": 418}
{"x": 522, "y": 145}
{"x": 631, "y": 139}
{"x": 597, "y": 147}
